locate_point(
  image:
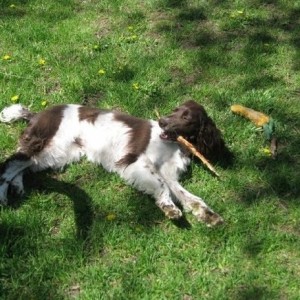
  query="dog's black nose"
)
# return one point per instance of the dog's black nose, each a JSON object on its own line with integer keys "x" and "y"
{"x": 162, "y": 122}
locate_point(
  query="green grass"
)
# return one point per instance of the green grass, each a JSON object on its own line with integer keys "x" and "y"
{"x": 82, "y": 233}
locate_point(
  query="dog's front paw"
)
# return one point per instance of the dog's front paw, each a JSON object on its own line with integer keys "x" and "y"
{"x": 212, "y": 219}
{"x": 207, "y": 216}
{"x": 172, "y": 212}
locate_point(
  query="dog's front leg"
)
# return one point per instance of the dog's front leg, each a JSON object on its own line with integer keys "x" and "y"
{"x": 165, "y": 203}
{"x": 194, "y": 204}
{"x": 143, "y": 176}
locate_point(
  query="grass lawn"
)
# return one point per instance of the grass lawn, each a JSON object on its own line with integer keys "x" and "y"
{"x": 82, "y": 233}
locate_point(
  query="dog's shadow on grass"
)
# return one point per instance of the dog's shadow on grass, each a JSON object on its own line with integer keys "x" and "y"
{"x": 146, "y": 214}
{"x": 82, "y": 203}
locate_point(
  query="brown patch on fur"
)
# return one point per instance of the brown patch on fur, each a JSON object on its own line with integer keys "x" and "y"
{"x": 88, "y": 114}
{"x": 140, "y": 133}
{"x": 41, "y": 129}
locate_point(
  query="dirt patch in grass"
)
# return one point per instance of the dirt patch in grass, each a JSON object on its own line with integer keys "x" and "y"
{"x": 177, "y": 74}
{"x": 103, "y": 27}
{"x": 93, "y": 99}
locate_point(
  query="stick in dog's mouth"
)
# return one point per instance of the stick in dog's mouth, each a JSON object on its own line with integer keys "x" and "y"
{"x": 195, "y": 152}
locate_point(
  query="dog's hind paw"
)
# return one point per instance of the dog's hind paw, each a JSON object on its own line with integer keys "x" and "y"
{"x": 15, "y": 190}
{"x": 17, "y": 187}
{"x": 3, "y": 192}
{"x": 3, "y": 201}
{"x": 3, "y": 198}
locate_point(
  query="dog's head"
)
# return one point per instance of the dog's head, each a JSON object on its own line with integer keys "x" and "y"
{"x": 185, "y": 120}
{"x": 191, "y": 121}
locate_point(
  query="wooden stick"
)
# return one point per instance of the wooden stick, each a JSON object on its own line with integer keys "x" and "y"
{"x": 194, "y": 151}
{"x": 157, "y": 113}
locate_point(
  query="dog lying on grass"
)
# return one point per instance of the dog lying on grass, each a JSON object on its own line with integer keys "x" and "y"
{"x": 144, "y": 153}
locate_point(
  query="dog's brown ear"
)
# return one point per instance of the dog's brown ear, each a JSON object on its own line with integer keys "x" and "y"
{"x": 208, "y": 140}
{"x": 211, "y": 143}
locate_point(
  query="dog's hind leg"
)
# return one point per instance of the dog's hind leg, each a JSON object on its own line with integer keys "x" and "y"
{"x": 17, "y": 185}
{"x": 11, "y": 169}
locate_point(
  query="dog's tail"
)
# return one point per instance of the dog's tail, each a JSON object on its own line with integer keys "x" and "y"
{"x": 14, "y": 113}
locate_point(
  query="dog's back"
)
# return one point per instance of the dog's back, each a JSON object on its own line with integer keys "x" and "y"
{"x": 64, "y": 133}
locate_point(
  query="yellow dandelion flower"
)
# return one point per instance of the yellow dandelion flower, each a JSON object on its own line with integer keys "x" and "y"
{"x": 42, "y": 62}
{"x": 111, "y": 217}
{"x": 135, "y": 86}
{"x": 15, "y": 98}
{"x": 101, "y": 72}
{"x": 6, "y": 57}
{"x": 44, "y": 103}
{"x": 237, "y": 13}
{"x": 266, "y": 151}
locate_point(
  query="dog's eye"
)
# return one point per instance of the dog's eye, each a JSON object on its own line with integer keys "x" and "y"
{"x": 185, "y": 115}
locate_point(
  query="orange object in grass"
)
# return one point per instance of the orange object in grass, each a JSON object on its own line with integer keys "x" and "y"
{"x": 258, "y": 118}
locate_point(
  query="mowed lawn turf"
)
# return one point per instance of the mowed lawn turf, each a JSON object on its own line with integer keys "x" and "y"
{"x": 83, "y": 233}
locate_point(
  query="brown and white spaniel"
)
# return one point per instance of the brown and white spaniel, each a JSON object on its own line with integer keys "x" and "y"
{"x": 143, "y": 152}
